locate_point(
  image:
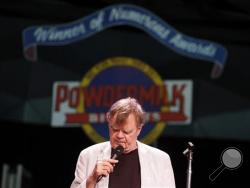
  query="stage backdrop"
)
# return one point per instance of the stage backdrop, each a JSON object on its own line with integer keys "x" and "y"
{"x": 173, "y": 68}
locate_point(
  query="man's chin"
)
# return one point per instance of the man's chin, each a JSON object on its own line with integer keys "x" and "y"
{"x": 115, "y": 145}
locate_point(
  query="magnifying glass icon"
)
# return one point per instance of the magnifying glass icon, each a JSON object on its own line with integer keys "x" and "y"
{"x": 231, "y": 158}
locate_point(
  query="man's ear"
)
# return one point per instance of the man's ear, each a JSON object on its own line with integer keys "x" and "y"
{"x": 139, "y": 130}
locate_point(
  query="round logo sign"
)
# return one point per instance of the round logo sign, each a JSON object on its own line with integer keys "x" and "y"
{"x": 116, "y": 78}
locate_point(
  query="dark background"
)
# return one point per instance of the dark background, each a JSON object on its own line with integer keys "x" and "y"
{"x": 221, "y": 115}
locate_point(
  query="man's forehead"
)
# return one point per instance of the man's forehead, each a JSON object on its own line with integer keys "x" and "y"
{"x": 115, "y": 125}
{"x": 122, "y": 127}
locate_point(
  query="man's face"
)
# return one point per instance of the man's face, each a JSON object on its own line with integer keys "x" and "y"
{"x": 124, "y": 134}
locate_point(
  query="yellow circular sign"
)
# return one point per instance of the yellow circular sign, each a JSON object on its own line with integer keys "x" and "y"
{"x": 119, "y": 77}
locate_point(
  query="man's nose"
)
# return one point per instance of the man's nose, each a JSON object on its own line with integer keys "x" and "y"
{"x": 120, "y": 134}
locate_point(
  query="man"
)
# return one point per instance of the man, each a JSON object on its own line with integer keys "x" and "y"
{"x": 139, "y": 166}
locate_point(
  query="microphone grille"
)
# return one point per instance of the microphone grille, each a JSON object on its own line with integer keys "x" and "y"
{"x": 119, "y": 150}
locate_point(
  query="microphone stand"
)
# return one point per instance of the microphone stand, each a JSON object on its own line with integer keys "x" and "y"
{"x": 189, "y": 153}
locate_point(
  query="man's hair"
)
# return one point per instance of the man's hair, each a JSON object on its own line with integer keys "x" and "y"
{"x": 122, "y": 108}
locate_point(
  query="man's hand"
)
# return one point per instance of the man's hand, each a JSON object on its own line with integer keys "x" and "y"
{"x": 102, "y": 168}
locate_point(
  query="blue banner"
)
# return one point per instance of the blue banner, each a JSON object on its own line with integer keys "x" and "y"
{"x": 124, "y": 14}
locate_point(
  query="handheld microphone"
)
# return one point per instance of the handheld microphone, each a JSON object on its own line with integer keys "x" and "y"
{"x": 117, "y": 151}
